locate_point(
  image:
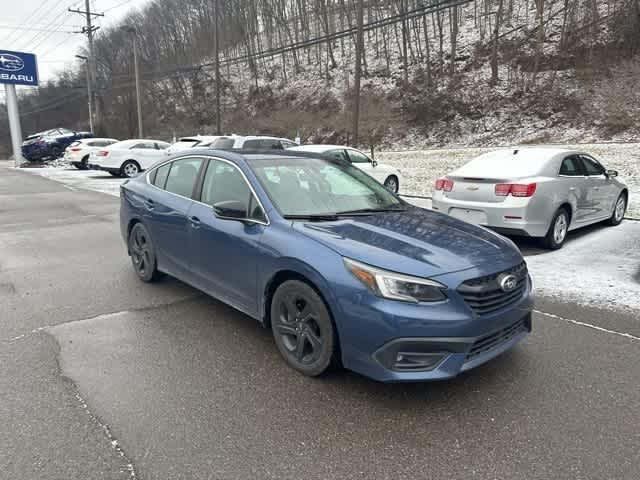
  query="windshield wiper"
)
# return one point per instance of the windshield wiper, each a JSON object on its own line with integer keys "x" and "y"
{"x": 367, "y": 211}
{"x": 313, "y": 217}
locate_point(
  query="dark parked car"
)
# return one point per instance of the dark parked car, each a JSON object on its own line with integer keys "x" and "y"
{"x": 341, "y": 269}
{"x": 50, "y": 143}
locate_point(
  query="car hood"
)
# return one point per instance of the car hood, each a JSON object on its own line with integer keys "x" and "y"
{"x": 415, "y": 242}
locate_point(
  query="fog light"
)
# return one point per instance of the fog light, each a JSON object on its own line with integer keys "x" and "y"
{"x": 412, "y": 361}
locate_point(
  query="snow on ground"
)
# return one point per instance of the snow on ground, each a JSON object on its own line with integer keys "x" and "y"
{"x": 421, "y": 168}
{"x": 85, "y": 179}
{"x": 598, "y": 266}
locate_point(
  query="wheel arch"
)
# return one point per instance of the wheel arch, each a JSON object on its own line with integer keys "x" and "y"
{"x": 286, "y": 274}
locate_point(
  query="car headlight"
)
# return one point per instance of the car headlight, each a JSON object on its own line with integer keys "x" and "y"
{"x": 396, "y": 286}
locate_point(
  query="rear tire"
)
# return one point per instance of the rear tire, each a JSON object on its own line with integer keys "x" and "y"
{"x": 84, "y": 163}
{"x": 130, "y": 169}
{"x": 302, "y": 328}
{"x": 619, "y": 209}
{"x": 143, "y": 254}
{"x": 558, "y": 229}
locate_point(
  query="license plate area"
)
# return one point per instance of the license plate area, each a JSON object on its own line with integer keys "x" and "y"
{"x": 477, "y": 217}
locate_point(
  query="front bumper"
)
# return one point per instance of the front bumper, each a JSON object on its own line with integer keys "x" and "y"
{"x": 406, "y": 342}
{"x": 514, "y": 216}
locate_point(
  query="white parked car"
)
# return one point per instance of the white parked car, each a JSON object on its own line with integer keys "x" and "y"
{"x": 389, "y": 176}
{"x": 185, "y": 143}
{"x": 535, "y": 192}
{"x": 129, "y": 157}
{"x": 249, "y": 142}
{"x": 77, "y": 154}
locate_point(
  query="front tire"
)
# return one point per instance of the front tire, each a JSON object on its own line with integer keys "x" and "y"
{"x": 143, "y": 253}
{"x": 302, "y": 328}
{"x": 130, "y": 169}
{"x": 619, "y": 209}
{"x": 392, "y": 184}
{"x": 557, "y": 233}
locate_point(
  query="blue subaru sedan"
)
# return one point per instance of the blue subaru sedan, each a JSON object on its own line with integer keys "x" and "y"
{"x": 342, "y": 271}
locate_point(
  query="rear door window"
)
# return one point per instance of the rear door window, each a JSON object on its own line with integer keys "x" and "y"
{"x": 338, "y": 155}
{"x": 571, "y": 167}
{"x": 161, "y": 174}
{"x": 182, "y": 176}
{"x": 223, "y": 143}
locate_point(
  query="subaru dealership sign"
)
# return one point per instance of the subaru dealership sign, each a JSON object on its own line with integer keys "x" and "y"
{"x": 18, "y": 68}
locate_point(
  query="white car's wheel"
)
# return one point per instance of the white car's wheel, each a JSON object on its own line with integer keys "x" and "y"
{"x": 558, "y": 230}
{"x": 619, "y": 209}
{"x": 130, "y": 169}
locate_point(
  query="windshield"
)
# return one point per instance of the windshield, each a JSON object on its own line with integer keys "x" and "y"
{"x": 315, "y": 187}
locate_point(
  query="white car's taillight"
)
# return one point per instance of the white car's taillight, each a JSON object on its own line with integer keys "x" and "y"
{"x": 515, "y": 189}
{"x": 444, "y": 184}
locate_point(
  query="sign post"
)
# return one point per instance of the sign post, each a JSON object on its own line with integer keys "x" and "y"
{"x": 16, "y": 68}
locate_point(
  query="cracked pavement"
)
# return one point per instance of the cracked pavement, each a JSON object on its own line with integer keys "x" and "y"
{"x": 104, "y": 377}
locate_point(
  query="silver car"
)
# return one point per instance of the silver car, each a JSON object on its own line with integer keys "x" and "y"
{"x": 535, "y": 192}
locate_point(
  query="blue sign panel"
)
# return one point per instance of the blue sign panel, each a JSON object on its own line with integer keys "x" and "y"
{"x": 18, "y": 68}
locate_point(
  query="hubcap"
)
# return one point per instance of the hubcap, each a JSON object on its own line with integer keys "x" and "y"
{"x": 140, "y": 251}
{"x": 560, "y": 228}
{"x": 620, "y": 208}
{"x": 130, "y": 170}
{"x": 391, "y": 185}
{"x": 299, "y": 330}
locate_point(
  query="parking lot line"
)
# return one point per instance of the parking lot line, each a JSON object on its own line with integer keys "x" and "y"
{"x": 588, "y": 325}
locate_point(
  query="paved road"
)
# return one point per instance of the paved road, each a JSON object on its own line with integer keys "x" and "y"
{"x": 104, "y": 376}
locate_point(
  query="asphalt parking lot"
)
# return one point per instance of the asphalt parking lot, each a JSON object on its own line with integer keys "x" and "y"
{"x": 106, "y": 377}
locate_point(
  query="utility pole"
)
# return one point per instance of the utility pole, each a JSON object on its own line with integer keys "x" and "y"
{"x": 136, "y": 70}
{"x": 217, "y": 58}
{"x": 358, "y": 73}
{"x": 88, "y": 30}
{"x": 89, "y": 92}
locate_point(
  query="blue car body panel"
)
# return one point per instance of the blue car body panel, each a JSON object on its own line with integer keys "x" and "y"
{"x": 237, "y": 262}
{"x": 38, "y": 147}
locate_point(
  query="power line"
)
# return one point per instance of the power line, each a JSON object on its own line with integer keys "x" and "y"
{"x": 39, "y": 38}
{"x": 31, "y": 16}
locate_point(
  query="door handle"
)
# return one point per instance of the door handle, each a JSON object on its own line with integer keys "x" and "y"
{"x": 149, "y": 204}
{"x": 195, "y": 222}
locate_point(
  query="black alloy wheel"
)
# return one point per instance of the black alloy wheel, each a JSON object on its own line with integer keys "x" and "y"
{"x": 302, "y": 328}
{"x": 143, "y": 256}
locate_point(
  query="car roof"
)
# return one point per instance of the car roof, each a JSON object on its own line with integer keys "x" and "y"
{"x": 512, "y": 162}
{"x": 259, "y": 137}
{"x": 93, "y": 139}
{"x": 319, "y": 148}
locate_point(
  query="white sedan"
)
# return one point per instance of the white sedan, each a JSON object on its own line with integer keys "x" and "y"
{"x": 128, "y": 158}
{"x": 385, "y": 174}
{"x": 185, "y": 143}
{"x": 77, "y": 154}
{"x": 535, "y": 192}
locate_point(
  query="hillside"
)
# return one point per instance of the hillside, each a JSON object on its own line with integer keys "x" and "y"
{"x": 477, "y": 73}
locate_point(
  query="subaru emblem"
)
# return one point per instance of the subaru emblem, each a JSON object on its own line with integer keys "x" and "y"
{"x": 508, "y": 283}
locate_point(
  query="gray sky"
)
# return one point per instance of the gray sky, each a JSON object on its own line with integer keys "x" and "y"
{"x": 23, "y": 22}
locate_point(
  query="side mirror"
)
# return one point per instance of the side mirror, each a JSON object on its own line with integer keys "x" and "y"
{"x": 374, "y": 163}
{"x": 611, "y": 173}
{"x": 230, "y": 209}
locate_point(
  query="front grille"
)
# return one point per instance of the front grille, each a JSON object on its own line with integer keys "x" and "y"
{"x": 489, "y": 342}
{"x": 484, "y": 294}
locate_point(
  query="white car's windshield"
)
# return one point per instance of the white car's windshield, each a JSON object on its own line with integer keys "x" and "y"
{"x": 318, "y": 187}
